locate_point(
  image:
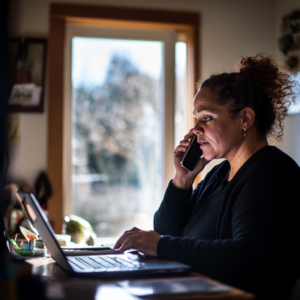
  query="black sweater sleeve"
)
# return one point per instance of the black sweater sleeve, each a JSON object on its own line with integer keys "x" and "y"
{"x": 175, "y": 209}
{"x": 177, "y": 205}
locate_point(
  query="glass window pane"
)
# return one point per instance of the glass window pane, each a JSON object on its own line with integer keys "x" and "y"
{"x": 295, "y": 107}
{"x": 117, "y": 132}
{"x": 181, "y": 91}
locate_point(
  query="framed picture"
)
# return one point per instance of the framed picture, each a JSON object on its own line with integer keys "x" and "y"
{"x": 27, "y": 60}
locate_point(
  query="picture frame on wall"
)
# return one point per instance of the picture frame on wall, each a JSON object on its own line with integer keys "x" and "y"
{"x": 27, "y": 61}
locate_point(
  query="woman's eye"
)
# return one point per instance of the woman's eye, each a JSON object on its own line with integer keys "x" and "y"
{"x": 207, "y": 119}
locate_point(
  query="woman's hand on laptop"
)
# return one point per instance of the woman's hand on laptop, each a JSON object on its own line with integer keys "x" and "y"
{"x": 143, "y": 241}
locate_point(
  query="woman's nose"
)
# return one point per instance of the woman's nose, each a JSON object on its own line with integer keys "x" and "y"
{"x": 198, "y": 129}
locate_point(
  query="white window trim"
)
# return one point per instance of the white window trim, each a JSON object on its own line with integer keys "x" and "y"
{"x": 169, "y": 37}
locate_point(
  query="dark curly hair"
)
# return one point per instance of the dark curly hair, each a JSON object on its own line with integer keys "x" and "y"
{"x": 259, "y": 84}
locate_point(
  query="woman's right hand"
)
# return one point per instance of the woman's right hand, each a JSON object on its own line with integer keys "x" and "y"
{"x": 184, "y": 178}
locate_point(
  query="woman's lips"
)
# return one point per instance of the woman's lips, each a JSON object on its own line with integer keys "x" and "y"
{"x": 202, "y": 143}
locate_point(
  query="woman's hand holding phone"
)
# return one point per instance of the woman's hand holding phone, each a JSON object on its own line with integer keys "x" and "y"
{"x": 184, "y": 178}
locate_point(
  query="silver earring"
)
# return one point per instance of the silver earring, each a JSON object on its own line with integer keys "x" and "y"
{"x": 245, "y": 132}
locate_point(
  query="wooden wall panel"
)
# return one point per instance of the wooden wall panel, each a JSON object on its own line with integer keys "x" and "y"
{"x": 55, "y": 120}
{"x": 124, "y": 13}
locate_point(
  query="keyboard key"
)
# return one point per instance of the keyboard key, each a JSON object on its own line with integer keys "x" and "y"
{"x": 123, "y": 262}
{"x": 103, "y": 262}
{"x": 111, "y": 261}
{"x": 90, "y": 262}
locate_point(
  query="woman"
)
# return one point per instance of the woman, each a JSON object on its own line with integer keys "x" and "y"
{"x": 241, "y": 224}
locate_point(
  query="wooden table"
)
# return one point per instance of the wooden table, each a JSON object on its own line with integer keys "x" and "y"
{"x": 62, "y": 286}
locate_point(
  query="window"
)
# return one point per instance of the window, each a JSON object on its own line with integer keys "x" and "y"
{"x": 181, "y": 95}
{"x": 63, "y": 15}
{"x": 121, "y": 110}
{"x": 295, "y": 107}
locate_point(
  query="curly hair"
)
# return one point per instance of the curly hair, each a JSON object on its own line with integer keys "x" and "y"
{"x": 259, "y": 84}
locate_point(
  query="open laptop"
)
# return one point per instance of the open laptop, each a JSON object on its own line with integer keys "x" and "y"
{"x": 102, "y": 266}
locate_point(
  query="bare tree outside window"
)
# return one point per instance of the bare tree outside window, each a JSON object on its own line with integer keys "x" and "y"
{"x": 116, "y": 148}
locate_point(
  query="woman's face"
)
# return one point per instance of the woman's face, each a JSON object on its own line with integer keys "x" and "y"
{"x": 219, "y": 134}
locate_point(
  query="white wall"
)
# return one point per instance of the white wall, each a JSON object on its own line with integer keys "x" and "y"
{"x": 228, "y": 29}
{"x": 291, "y": 139}
{"x": 28, "y": 155}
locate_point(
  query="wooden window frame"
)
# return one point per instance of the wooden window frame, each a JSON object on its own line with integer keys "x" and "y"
{"x": 60, "y": 16}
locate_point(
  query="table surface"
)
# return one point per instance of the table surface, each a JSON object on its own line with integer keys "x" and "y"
{"x": 61, "y": 285}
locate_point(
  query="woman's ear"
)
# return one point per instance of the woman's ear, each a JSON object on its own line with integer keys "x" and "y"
{"x": 247, "y": 118}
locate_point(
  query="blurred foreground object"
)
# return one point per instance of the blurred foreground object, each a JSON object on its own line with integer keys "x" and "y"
{"x": 80, "y": 230}
{"x": 43, "y": 189}
{"x": 13, "y": 210}
{"x": 63, "y": 239}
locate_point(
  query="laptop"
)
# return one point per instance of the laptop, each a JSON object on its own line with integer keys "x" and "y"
{"x": 114, "y": 265}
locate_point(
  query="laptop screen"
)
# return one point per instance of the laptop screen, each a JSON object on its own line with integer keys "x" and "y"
{"x": 41, "y": 223}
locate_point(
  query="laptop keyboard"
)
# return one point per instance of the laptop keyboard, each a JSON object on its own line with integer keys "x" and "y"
{"x": 97, "y": 262}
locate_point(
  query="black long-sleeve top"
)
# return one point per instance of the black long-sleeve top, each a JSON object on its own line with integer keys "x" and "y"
{"x": 251, "y": 237}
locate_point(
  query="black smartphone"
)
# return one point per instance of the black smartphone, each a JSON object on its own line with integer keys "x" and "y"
{"x": 191, "y": 155}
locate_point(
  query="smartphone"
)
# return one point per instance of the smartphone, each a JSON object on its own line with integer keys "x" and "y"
{"x": 192, "y": 155}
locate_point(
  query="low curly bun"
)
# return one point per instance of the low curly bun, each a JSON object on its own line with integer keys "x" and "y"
{"x": 258, "y": 84}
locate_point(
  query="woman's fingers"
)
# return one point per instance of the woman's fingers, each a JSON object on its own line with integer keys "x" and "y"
{"x": 187, "y": 138}
{"x": 127, "y": 240}
{"x": 180, "y": 148}
{"x": 129, "y": 243}
{"x": 184, "y": 143}
{"x": 201, "y": 164}
{"x": 189, "y": 134}
{"x": 125, "y": 235}
{"x": 143, "y": 241}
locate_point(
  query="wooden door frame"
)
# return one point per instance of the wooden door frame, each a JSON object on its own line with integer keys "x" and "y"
{"x": 60, "y": 16}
